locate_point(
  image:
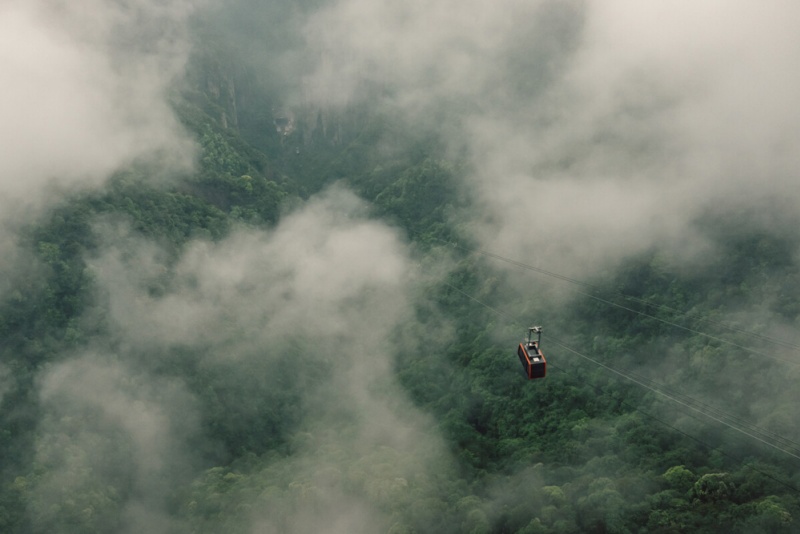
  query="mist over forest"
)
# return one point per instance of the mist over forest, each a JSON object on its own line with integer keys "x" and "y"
{"x": 266, "y": 265}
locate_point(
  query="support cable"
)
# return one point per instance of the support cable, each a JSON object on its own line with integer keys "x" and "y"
{"x": 698, "y": 440}
{"x": 769, "y": 438}
{"x": 721, "y": 417}
{"x": 574, "y": 281}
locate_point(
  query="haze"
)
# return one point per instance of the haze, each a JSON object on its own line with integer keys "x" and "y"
{"x": 593, "y": 131}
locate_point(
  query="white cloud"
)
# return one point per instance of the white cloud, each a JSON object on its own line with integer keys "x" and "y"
{"x": 109, "y": 438}
{"x": 596, "y": 129}
{"x": 328, "y": 280}
{"x": 315, "y": 275}
{"x": 85, "y": 91}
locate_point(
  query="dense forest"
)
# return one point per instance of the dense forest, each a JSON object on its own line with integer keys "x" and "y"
{"x": 289, "y": 298}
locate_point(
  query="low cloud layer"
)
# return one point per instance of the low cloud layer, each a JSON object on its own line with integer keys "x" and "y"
{"x": 664, "y": 113}
{"x": 319, "y": 297}
{"x": 596, "y": 130}
{"x": 114, "y": 443}
{"x": 293, "y": 281}
{"x": 85, "y": 92}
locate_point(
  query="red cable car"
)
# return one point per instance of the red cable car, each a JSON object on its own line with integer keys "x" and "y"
{"x": 533, "y": 363}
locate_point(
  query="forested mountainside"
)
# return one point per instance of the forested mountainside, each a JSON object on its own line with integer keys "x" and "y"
{"x": 312, "y": 326}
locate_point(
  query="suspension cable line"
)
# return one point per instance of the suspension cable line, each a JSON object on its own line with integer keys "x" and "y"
{"x": 574, "y": 281}
{"x": 735, "y": 419}
{"x": 698, "y": 440}
{"x": 769, "y": 438}
{"x": 692, "y": 330}
{"x": 719, "y": 416}
{"x": 495, "y": 310}
{"x": 697, "y": 316}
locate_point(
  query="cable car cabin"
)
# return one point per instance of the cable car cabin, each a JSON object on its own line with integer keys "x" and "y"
{"x": 533, "y": 363}
{"x": 530, "y": 355}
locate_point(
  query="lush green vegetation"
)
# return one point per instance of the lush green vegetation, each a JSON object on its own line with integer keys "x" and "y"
{"x": 581, "y": 451}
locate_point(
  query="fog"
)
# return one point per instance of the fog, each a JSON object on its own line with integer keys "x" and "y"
{"x": 109, "y": 425}
{"x": 290, "y": 282}
{"x": 85, "y": 93}
{"x": 617, "y": 124}
{"x": 90, "y": 86}
{"x": 322, "y": 293}
{"x": 597, "y": 129}
{"x": 594, "y": 131}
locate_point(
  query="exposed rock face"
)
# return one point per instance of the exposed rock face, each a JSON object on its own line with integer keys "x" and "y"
{"x": 221, "y": 90}
{"x": 284, "y": 121}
